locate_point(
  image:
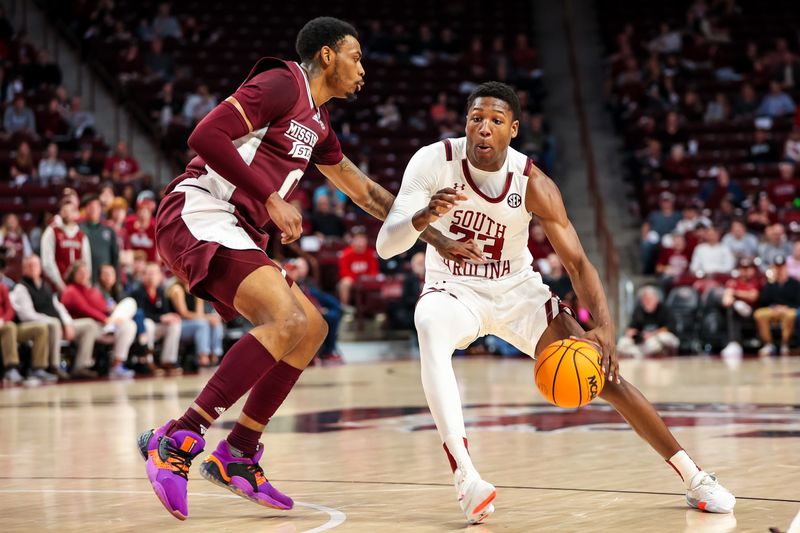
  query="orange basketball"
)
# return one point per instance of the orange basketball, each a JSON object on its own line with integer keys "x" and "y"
{"x": 568, "y": 373}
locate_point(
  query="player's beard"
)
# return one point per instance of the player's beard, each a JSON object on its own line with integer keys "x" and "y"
{"x": 350, "y": 96}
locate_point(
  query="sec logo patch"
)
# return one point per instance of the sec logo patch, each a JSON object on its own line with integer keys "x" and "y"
{"x": 515, "y": 200}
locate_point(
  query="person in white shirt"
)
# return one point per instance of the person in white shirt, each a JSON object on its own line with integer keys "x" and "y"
{"x": 740, "y": 242}
{"x": 478, "y": 189}
{"x": 712, "y": 257}
{"x": 51, "y": 168}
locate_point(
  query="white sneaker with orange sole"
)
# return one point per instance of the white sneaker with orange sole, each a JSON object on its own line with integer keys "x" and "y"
{"x": 707, "y": 494}
{"x": 475, "y": 496}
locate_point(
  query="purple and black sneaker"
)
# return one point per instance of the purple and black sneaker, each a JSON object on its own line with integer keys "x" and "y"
{"x": 228, "y": 468}
{"x": 168, "y": 459}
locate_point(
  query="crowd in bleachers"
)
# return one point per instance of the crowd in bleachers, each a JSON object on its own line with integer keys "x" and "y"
{"x": 705, "y": 94}
{"x": 78, "y": 230}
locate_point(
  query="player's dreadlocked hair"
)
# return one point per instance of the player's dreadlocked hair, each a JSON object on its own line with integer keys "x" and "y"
{"x": 501, "y": 91}
{"x": 319, "y": 32}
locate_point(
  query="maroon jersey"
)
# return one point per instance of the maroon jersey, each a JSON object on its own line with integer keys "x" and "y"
{"x": 139, "y": 238}
{"x": 67, "y": 249}
{"x": 14, "y": 247}
{"x": 286, "y": 132}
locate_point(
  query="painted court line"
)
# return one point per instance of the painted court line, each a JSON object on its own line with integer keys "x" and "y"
{"x": 335, "y": 517}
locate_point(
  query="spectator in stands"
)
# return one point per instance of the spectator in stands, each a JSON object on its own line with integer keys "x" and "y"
{"x": 738, "y": 299}
{"x": 673, "y": 262}
{"x": 205, "y": 331}
{"x": 338, "y": 198}
{"x": 159, "y": 65}
{"x": 793, "y": 261}
{"x": 775, "y": 245}
{"x": 11, "y": 334}
{"x": 356, "y": 260}
{"x": 84, "y": 169}
{"x": 524, "y": 58}
{"x": 324, "y": 222}
{"x": 19, "y": 119}
{"x": 534, "y": 140}
{"x": 135, "y": 274}
{"x": 129, "y": 64}
{"x": 109, "y": 285}
{"x": 83, "y": 301}
{"x": 761, "y": 151}
{"x": 557, "y": 278}
{"x": 650, "y": 161}
{"x": 81, "y": 122}
{"x": 329, "y": 307}
{"x": 102, "y": 240}
{"x": 388, "y": 114}
{"x": 677, "y": 167}
{"x": 52, "y": 124}
{"x": 401, "y": 312}
{"x": 776, "y": 103}
{"x": 692, "y": 107}
{"x": 651, "y": 329}
{"x": 15, "y": 246}
{"x": 762, "y": 214}
{"x": 34, "y": 302}
{"x": 747, "y": 103}
{"x": 714, "y": 191}
{"x": 121, "y": 167}
{"x": 658, "y": 224}
{"x": 668, "y": 41}
{"x": 140, "y": 231}
{"x": 198, "y": 105}
{"x": 711, "y": 256}
{"x": 791, "y": 149}
{"x": 160, "y": 320}
{"x": 777, "y": 303}
{"x": 673, "y": 132}
{"x": 43, "y": 72}
{"x": 52, "y": 169}
{"x": 539, "y": 247}
{"x": 784, "y": 190}
{"x": 165, "y": 25}
{"x": 718, "y": 110}
{"x": 63, "y": 244}
{"x": 22, "y": 166}
{"x": 439, "y": 108}
{"x": 740, "y": 242}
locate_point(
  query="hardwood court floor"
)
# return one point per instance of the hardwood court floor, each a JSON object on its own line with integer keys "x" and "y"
{"x": 355, "y": 446}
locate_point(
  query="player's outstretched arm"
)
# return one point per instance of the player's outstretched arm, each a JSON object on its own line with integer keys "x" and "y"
{"x": 544, "y": 200}
{"x": 378, "y": 202}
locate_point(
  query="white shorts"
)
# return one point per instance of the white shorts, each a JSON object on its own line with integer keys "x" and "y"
{"x": 517, "y": 308}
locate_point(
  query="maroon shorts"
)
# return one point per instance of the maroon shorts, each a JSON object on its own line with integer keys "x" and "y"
{"x": 212, "y": 270}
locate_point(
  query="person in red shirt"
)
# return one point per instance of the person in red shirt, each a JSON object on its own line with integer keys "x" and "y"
{"x": 121, "y": 167}
{"x": 356, "y": 260}
{"x": 15, "y": 244}
{"x": 84, "y": 301}
{"x": 140, "y": 229}
{"x": 786, "y": 188}
{"x": 672, "y": 262}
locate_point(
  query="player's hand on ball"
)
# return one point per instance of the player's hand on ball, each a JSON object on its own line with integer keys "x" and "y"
{"x": 604, "y": 338}
{"x": 461, "y": 252}
{"x": 286, "y": 217}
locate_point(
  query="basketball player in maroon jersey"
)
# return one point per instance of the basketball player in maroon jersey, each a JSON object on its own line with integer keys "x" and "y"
{"x": 252, "y": 151}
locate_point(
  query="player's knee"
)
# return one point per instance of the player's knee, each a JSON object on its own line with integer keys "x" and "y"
{"x": 293, "y": 327}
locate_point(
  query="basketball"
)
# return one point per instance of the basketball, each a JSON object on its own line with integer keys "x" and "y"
{"x": 569, "y": 373}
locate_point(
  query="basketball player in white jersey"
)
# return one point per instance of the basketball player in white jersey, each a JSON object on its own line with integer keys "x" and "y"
{"x": 478, "y": 188}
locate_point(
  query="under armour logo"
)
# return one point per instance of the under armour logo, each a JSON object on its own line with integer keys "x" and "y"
{"x": 459, "y": 186}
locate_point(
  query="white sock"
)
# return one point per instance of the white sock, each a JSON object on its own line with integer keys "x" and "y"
{"x": 685, "y": 467}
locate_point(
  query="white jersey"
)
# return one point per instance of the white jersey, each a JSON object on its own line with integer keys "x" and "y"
{"x": 493, "y": 216}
